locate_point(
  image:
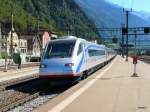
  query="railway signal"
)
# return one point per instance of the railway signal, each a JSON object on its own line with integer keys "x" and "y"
{"x": 114, "y": 40}
{"x": 124, "y": 31}
{"x": 147, "y": 30}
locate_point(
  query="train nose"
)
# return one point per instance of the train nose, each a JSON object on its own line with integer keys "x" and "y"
{"x": 56, "y": 67}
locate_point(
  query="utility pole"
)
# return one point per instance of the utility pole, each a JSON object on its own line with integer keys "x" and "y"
{"x": 4, "y": 40}
{"x": 49, "y": 14}
{"x": 127, "y": 15}
{"x": 123, "y": 46}
{"x": 38, "y": 27}
{"x": 5, "y": 69}
{"x": 122, "y": 41}
{"x": 37, "y": 39}
{"x": 68, "y": 32}
{"x": 127, "y": 26}
{"x": 69, "y": 29}
{"x": 12, "y": 29}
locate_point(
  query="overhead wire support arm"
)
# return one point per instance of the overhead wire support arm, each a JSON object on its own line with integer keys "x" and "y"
{"x": 38, "y": 26}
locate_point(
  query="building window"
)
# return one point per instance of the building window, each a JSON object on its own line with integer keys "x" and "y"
{"x": 25, "y": 44}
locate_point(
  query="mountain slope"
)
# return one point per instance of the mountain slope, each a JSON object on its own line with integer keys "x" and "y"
{"x": 56, "y": 15}
{"x": 106, "y": 14}
{"x": 143, "y": 14}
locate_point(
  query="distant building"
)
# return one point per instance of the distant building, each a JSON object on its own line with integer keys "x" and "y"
{"x": 25, "y": 42}
{"x": 35, "y": 45}
{"x": 45, "y": 39}
{"x": 19, "y": 45}
{"x": 36, "y": 48}
{"x": 23, "y": 46}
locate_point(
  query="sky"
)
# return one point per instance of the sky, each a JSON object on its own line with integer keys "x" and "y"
{"x": 137, "y": 5}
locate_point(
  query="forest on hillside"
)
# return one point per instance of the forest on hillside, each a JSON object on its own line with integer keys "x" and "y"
{"x": 55, "y": 15}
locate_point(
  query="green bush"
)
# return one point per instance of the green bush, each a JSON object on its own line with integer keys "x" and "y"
{"x": 0, "y": 56}
{"x": 15, "y": 57}
{"x": 3, "y": 55}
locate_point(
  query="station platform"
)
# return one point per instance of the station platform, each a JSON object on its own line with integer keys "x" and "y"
{"x": 111, "y": 89}
{"x": 18, "y": 73}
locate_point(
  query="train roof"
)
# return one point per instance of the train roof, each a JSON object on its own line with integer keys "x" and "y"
{"x": 67, "y": 38}
{"x": 74, "y": 39}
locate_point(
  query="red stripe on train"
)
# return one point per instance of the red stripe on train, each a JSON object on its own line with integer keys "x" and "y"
{"x": 59, "y": 76}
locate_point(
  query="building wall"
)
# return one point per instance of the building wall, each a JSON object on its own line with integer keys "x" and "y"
{"x": 44, "y": 38}
{"x": 19, "y": 45}
{"x": 23, "y": 46}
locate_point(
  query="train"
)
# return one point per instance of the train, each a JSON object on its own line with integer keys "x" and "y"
{"x": 71, "y": 59}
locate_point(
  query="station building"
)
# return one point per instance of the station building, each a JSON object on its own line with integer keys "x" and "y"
{"x": 24, "y": 42}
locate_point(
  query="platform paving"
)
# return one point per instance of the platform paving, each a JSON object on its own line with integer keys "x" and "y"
{"x": 18, "y": 73}
{"x": 112, "y": 90}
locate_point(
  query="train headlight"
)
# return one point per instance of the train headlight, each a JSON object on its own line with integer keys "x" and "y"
{"x": 69, "y": 64}
{"x": 43, "y": 66}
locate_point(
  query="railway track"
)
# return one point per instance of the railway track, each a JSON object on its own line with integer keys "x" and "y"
{"x": 18, "y": 94}
{"x": 5, "y": 84}
{"x": 22, "y": 93}
{"x": 145, "y": 59}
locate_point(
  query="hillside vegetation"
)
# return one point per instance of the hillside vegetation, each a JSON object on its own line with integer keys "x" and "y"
{"x": 56, "y": 15}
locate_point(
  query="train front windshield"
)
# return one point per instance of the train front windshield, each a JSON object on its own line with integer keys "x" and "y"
{"x": 59, "y": 49}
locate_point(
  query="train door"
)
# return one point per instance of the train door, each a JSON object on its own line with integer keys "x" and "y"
{"x": 106, "y": 54}
{"x": 85, "y": 55}
{"x": 81, "y": 56}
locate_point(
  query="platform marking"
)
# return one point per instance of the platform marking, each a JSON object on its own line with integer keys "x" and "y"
{"x": 59, "y": 107}
{"x": 6, "y": 78}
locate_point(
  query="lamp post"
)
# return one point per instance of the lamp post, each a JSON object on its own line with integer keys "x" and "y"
{"x": 127, "y": 15}
{"x": 5, "y": 69}
{"x": 127, "y": 25}
{"x": 12, "y": 30}
{"x": 123, "y": 25}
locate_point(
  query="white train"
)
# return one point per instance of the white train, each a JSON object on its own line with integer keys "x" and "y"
{"x": 71, "y": 59}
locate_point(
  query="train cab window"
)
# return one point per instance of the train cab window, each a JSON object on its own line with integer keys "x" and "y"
{"x": 80, "y": 49}
{"x": 59, "y": 49}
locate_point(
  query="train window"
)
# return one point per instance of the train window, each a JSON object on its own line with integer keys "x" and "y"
{"x": 59, "y": 50}
{"x": 93, "y": 52}
{"x": 80, "y": 48}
